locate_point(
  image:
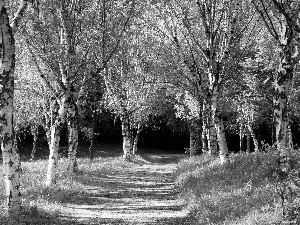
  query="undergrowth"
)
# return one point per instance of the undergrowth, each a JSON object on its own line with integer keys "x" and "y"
{"x": 42, "y": 205}
{"x": 242, "y": 191}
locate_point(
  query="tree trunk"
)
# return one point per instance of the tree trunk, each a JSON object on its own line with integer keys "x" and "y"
{"x": 204, "y": 139}
{"x": 17, "y": 152}
{"x": 290, "y": 137}
{"x": 248, "y": 149}
{"x": 135, "y": 142}
{"x": 92, "y": 138}
{"x": 222, "y": 141}
{"x": 55, "y": 138}
{"x": 255, "y": 141}
{"x": 127, "y": 137}
{"x": 72, "y": 148}
{"x": 72, "y": 117}
{"x": 53, "y": 156}
{"x": 136, "y": 139}
{"x": 91, "y": 148}
{"x": 218, "y": 122}
{"x": 34, "y": 132}
{"x": 195, "y": 137}
{"x": 213, "y": 139}
{"x": 212, "y": 134}
{"x": 47, "y": 127}
{"x": 282, "y": 84}
{"x": 204, "y": 133}
{"x": 273, "y": 130}
{"x": 259, "y": 148}
{"x": 11, "y": 170}
{"x": 241, "y": 135}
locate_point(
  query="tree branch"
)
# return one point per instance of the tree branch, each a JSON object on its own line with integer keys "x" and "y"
{"x": 18, "y": 16}
{"x": 42, "y": 75}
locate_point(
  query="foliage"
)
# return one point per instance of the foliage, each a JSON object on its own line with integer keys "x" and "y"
{"x": 133, "y": 82}
{"x": 90, "y": 107}
{"x": 187, "y": 108}
{"x": 30, "y": 99}
{"x": 148, "y": 65}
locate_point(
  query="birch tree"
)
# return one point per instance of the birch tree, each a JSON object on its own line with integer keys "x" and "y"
{"x": 254, "y": 102}
{"x": 55, "y": 55}
{"x": 67, "y": 40}
{"x": 134, "y": 83}
{"x": 281, "y": 20}
{"x": 189, "y": 109}
{"x": 130, "y": 93}
{"x": 219, "y": 19}
{"x": 108, "y": 33}
{"x": 176, "y": 54}
{"x": 11, "y": 169}
{"x": 211, "y": 30}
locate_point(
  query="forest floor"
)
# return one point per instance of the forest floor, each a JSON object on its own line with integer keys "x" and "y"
{"x": 143, "y": 193}
{"x": 157, "y": 188}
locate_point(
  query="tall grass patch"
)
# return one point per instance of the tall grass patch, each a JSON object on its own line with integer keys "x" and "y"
{"x": 42, "y": 205}
{"x": 241, "y": 191}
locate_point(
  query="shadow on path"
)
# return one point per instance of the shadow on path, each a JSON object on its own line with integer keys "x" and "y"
{"x": 139, "y": 194}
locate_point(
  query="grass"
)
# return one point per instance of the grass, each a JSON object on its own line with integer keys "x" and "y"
{"x": 41, "y": 205}
{"x": 91, "y": 185}
{"x": 238, "y": 193}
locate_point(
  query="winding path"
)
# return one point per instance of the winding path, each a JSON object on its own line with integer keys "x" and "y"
{"x": 143, "y": 194}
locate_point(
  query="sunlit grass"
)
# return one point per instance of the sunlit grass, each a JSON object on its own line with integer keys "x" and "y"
{"x": 41, "y": 205}
{"x": 239, "y": 192}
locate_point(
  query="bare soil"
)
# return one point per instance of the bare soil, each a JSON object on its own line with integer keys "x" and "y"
{"x": 144, "y": 193}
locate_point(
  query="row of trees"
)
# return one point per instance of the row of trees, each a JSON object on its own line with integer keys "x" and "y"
{"x": 213, "y": 63}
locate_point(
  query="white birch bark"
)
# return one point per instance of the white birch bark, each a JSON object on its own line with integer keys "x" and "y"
{"x": 205, "y": 131}
{"x": 127, "y": 137}
{"x": 67, "y": 70}
{"x": 211, "y": 134}
{"x": 49, "y": 119}
{"x": 34, "y": 132}
{"x": 55, "y": 138}
{"x": 290, "y": 136}
{"x": 282, "y": 84}
{"x": 252, "y": 134}
{"x": 216, "y": 53}
{"x": 72, "y": 148}
{"x": 241, "y": 136}
{"x": 135, "y": 142}
{"x": 136, "y": 139}
{"x": 204, "y": 140}
{"x": 222, "y": 142}
{"x": 219, "y": 42}
{"x": 72, "y": 117}
{"x": 11, "y": 169}
{"x": 223, "y": 149}
{"x": 281, "y": 20}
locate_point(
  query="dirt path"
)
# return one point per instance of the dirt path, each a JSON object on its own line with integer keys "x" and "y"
{"x": 143, "y": 194}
